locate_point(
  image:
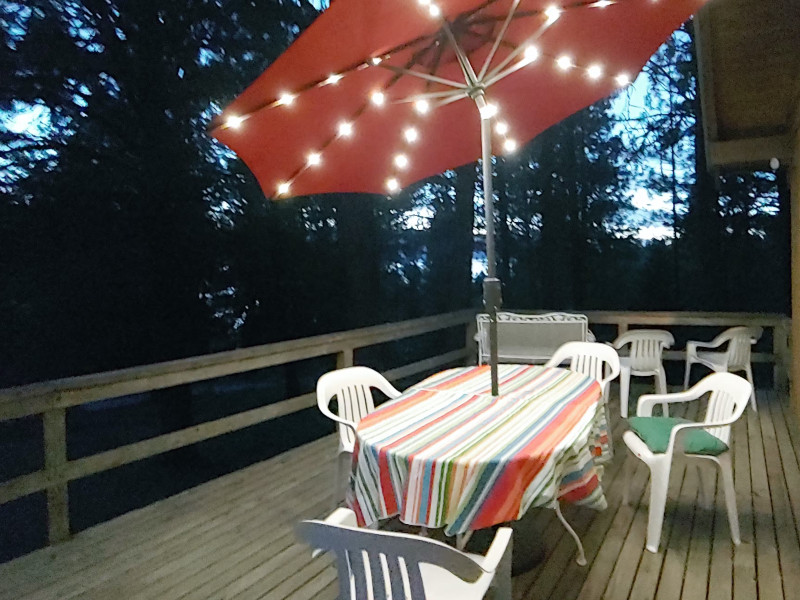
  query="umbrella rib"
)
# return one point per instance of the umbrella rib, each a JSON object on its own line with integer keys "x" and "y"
{"x": 463, "y": 61}
{"x": 426, "y": 76}
{"x": 499, "y": 39}
{"x": 493, "y": 74}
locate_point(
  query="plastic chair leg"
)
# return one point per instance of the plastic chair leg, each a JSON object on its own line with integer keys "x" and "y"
{"x": 624, "y": 390}
{"x": 659, "y": 484}
{"x": 749, "y": 372}
{"x": 686, "y": 374}
{"x": 628, "y": 467}
{"x": 724, "y": 462}
{"x": 661, "y": 388}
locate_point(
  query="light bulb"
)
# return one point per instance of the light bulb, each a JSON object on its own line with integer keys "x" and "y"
{"x": 333, "y": 79}
{"x": 286, "y": 99}
{"x": 234, "y": 121}
{"x": 422, "y": 106}
{"x": 378, "y": 98}
{"x": 345, "y": 129}
{"x": 552, "y": 13}
{"x": 509, "y": 145}
{"x": 376, "y": 60}
{"x": 602, "y": 3}
{"x": 392, "y": 184}
{"x": 531, "y": 54}
{"x": 283, "y": 188}
{"x": 314, "y": 158}
{"x": 501, "y": 128}
{"x": 424, "y": 2}
{"x": 564, "y": 63}
{"x": 594, "y": 72}
{"x": 488, "y": 111}
{"x": 401, "y": 160}
{"x": 411, "y": 135}
{"x": 622, "y": 79}
{"x": 434, "y": 11}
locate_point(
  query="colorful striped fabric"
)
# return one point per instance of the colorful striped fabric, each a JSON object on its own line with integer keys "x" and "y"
{"x": 448, "y": 454}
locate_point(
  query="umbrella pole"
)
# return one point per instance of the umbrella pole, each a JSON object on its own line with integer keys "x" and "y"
{"x": 492, "y": 296}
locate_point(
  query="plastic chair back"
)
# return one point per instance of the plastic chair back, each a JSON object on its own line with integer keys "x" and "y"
{"x": 740, "y": 340}
{"x": 352, "y": 388}
{"x": 375, "y": 564}
{"x": 728, "y": 398}
{"x": 590, "y": 359}
{"x": 646, "y": 346}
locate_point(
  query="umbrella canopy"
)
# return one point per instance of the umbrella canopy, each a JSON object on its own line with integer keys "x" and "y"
{"x": 309, "y": 125}
{"x": 377, "y": 94}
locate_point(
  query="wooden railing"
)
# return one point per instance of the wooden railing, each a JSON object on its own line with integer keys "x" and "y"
{"x": 51, "y": 399}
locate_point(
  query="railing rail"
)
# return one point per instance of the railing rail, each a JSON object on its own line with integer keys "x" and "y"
{"x": 51, "y": 399}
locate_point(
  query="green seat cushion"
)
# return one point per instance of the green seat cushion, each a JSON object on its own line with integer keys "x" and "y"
{"x": 654, "y": 431}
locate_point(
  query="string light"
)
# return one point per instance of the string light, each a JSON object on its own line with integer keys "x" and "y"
{"x": 411, "y": 135}
{"x": 378, "y": 98}
{"x": 314, "y": 159}
{"x": 594, "y": 72}
{"x": 602, "y": 4}
{"x": 286, "y": 99}
{"x": 376, "y": 60}
{"x": 234, "y": 121}
{"x": 401, "y": 160}
{"x": 424, "y": 2}
{"x": 392, "y": 184}
{"x": 345, "y": 129}
{"x": 283, "y": 188}
{"x": 564, "y": 63}
{"x": 434, "y": 11}
{"x": 333, "y": 79}
{"x": 509, "y": 145}
{"x": 622, "y": 79}
{"x": 422, "y": 106}
{"x": 501, "y": 128}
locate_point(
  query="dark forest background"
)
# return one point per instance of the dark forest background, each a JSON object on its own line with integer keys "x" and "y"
{"x": 128, "y": 236}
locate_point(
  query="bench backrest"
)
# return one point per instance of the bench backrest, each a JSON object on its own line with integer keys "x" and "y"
{"x": 530, "y": 338}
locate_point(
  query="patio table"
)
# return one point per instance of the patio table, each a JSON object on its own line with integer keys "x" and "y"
{"x": 448, "y": 454}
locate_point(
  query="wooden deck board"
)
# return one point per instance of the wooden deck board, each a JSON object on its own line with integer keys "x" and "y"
{"x": 232, "y": 537}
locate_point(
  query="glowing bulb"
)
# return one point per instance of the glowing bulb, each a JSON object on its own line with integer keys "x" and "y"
{"x": 564, "y": 63}
{"x": 422, "y": 106}
{"x": 594, "y": 72}
{"x": 622, "y": 79}
{"x": 283, "y": 188}
{"x": 434, "y": 11}
{"x": 602, "y": 3}
{"x": 509, "y": 145}
{"x": 286, "y": 99}
{"x": 424, "y": 2}
{"x": 552, "y": 13}
{"x": 488, "y": 111}
{"x": 314, "y": 158}
{"x": 345, "y": 129}
{"x": 234, "y": 121}
{"x": 501, "y": 128}
{"x": 378, "y": 98}
{"x": 531, "y": 54}
{"x": 392, "y": 184}
{"x": 376, "y": 60}
{"x": 411, "y": 135}
{"x": 333, "y": 79}
{"x": 401, "y": 160}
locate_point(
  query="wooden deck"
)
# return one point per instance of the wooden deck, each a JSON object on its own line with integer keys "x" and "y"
{"x": 232, "y": 537}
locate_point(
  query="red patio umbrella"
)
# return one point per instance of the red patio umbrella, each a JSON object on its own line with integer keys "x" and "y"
{"x": 377, "y": 94}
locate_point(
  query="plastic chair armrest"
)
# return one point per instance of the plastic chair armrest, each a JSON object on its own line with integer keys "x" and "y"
{"x": 497, "y": 550}
{"x": 648, "y": 401}
{"x": 328, "y": 413}
{"x": 342, "y": 516}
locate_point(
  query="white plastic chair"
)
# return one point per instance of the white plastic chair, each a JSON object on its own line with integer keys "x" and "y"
{"x": 352, "y": 388}
{"x": 643, "y": 360}
{"x": 727, "y": 401}
{"x": 374, "y": 564}
{"x": 736, "y": 356}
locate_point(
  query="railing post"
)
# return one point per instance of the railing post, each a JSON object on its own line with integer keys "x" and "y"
{"x": 344, "y": 358}
{"x": 622, "y": 327}
{"x": 55, "y": 457}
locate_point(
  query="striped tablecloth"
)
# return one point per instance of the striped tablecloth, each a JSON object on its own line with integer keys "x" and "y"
{"x": 448, "y": 454}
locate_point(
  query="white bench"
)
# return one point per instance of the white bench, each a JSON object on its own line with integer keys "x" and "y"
{"x": 530, "y": 338}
